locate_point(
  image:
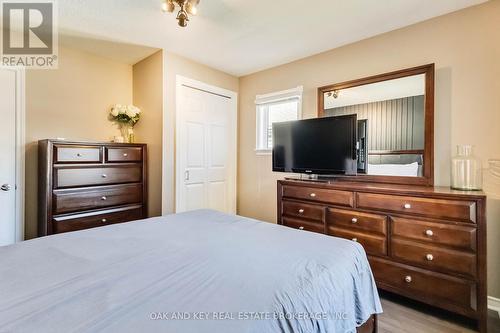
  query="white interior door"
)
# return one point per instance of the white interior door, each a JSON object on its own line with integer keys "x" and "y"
{"x": 8, "y": 97}
{"x": 205, "y": 147}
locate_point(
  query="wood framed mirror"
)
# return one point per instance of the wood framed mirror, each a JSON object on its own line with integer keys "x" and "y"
{"x": 395, "y": 114}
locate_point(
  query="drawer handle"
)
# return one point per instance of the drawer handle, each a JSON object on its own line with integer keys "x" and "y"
{"x": 429, "y": 232}
{"x": 104, "y": 220}
{"x": 313, "y": 195}
{"x": 407, "y": 206}
{"x": 429, "y": 257}
{"x": 79, "y": 155}
{"x": 125, "y": 154}
{"x": 104, "y": 175}
{"x": 354, "y": 220}
{"x": 408, "y": 279}
{"x": 301, "y": 211}
{"x": 354, "y": 239}
{"x": 301, "y": 228}
{"x": 104, "y": 198}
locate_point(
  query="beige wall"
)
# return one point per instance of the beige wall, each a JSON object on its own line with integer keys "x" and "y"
{"x": 466, "y": 50}
{"x": 176, "y": 65}
{"x": 71, "y": 102}
{"x": 148, "y": 95}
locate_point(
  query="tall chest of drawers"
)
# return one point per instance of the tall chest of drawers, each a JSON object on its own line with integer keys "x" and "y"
{"x": 424, "y": 243}
{"x": 84, "y": 185}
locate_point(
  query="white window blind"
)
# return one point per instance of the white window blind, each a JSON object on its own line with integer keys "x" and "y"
{"x": 272, "y": 108}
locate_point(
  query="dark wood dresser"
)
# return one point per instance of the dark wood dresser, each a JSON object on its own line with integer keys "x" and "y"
{"x": 425, "y": 243}
{"x": 83, "y": 185}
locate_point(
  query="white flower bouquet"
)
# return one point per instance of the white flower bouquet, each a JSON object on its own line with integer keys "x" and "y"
{"x": 125, "y": 114}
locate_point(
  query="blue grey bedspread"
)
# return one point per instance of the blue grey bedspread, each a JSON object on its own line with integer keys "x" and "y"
{"x": 201, "y": 271}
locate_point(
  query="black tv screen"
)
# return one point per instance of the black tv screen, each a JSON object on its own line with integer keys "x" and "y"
{"x": 316, "y": 146}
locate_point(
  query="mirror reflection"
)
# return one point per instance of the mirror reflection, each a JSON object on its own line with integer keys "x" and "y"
{"x": 390, "y": 124}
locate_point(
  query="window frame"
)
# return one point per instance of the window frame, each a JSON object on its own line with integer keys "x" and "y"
{"x": 271, "y": 98}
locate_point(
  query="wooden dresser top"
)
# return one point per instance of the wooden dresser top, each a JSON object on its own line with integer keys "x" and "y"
{"x": 90, "y": 143}
{"x": 414, "y": 190}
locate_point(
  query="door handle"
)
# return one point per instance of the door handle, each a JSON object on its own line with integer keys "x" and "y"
{"x": 6, "y": 187}
{"x": 186, "y": 175}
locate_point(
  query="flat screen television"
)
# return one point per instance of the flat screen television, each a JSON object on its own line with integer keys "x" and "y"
{"x": 323, "y": 146}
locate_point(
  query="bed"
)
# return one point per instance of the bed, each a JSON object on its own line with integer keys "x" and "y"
{"x": 201, "y": 271}
{"x": 404, "y": 163}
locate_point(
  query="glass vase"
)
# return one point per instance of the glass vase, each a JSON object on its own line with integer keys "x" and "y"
{"x": 466, "y": 170}
{"x": 127, "y": 133}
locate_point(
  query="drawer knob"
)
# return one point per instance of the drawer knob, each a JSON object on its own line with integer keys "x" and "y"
{"x": 429, "y": 257}
{"x": 104, "y": 220}
{"x": 104, "y": 198}
{"x": 407, "y": 206}
{"x": 125, "y": 154}
{"x": 301, "y": 228}
{"x": 429, "y": 232}
{"x": 408, "y": 279}
{"x": 79, "y": 155}
{"x": 313, "y": 195}
{"x": 301, "y": 211}
{"x": 354, "y": 239}
{"x": 104, "y": 175}
{"x": 354, "y": 220}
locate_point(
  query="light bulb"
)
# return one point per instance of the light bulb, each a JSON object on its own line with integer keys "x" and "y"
{"x": 167, "y": 6}
{"x": 191, "y": 8}
{"x": 171, "y": 6}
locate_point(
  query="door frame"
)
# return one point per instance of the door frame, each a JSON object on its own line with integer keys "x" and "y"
{"x": 184, "y": 81}
{"x": 20, "y": 148}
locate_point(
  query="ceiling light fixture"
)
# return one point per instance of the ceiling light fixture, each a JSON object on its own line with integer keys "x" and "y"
{"x": 334, "y": 94}
{"x": 186, "y": 7}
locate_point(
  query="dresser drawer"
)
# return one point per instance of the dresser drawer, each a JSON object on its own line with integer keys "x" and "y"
{"x": 73, "y": 177}
{"x": 129, "y": 154}
{"x": 372, "y": 244}
{"x": 357, "y": 220}
{"x": 335, "y": 197}
{"x": 440, "y": 290}
{"x": 438, "y": 208}
{"x": 97, "y": 219}
{"x": 460, "y": 237}
{"x": 66, "y": 201}
{"x": 303, "y": 225}
{"x": 435, "y": 258}
{"x": 77, "y": 154}
{"x": 303, "y": 210}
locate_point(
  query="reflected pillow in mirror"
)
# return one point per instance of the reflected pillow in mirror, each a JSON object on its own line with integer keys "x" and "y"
{"x": 405, "y": 170}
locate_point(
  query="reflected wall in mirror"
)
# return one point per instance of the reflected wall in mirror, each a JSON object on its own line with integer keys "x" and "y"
{"x": 395, "y": 123}
{"x": 392, "y": 133}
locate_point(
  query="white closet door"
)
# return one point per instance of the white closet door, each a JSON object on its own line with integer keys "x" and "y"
{"x": 205, "y": 150}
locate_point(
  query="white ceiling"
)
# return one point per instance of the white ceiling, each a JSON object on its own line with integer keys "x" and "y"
{"x": 244, "y": 36}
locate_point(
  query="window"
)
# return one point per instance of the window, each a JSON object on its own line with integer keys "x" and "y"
{"x": 273, "y": 108}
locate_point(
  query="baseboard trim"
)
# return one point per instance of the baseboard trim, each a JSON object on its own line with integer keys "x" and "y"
{"x": 494, "y": 304}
